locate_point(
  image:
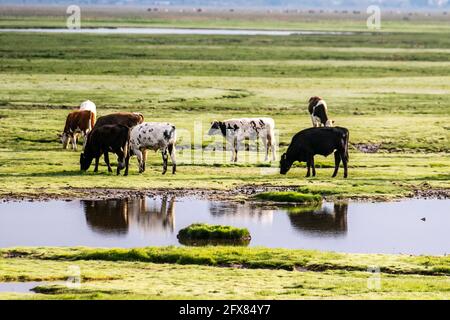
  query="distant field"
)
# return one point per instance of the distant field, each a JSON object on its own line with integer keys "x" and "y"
{"x": 336, "y": 20}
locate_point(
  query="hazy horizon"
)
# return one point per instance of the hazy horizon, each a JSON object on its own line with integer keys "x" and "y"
{"x": 255, "y": 4}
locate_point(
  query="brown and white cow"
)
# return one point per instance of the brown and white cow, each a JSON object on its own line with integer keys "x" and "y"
{"x": 89, "y": 105}
{"x": 318, "y": 109}
{"x": 77, "y": 122}
{"x": 236, "y": 130}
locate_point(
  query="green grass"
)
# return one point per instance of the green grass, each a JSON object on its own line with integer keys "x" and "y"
{"x": 206, "y": 232}
{"x": 390, "y": 88}
{"x": 202, "y": 272}
{"x": 289, "y": 196}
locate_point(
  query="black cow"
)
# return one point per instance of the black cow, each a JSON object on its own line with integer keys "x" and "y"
{"x": 312, "y": 141}
{"x": 104, "y": 139}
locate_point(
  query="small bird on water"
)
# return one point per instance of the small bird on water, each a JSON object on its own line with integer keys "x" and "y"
{"x": 424, "y": 219}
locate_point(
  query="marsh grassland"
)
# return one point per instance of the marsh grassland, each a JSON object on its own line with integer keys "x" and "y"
{"x": 391, "y": 89}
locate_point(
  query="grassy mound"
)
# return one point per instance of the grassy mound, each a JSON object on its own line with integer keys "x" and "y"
{"x": 289, "y": 196}
{"x": 204, "y": 234}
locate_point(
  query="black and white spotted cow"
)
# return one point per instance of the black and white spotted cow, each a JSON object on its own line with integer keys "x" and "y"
{"x": 155, "y": 136}
{"x": 318, "y": 110}
{"x": 236, "y": 130}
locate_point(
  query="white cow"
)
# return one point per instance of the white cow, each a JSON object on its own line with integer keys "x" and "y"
{"x": 236, "y": 130}
{"x": 155, "y": 136}
{"x": 89, "y": 105}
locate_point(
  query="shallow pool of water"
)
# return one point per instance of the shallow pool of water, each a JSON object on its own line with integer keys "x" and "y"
{"x": 390, "y": 227}
{"x": 179, "y": 31}
{"x": 20, "y": 287}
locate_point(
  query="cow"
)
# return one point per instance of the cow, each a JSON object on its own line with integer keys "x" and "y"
{"x": 77, "y": 122}
{"x": 155, "y": 136}
{"x": 318, "y": 110}
{"x": 309, "y": 142}
{"x": 236, "y": 130}
{"x": 128, "y": 119}
{"x": 89, "y": 105}
{"x": 108, "y": 138}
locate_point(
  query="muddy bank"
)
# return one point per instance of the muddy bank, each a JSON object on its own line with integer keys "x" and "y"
{"x": 238, "y": 194}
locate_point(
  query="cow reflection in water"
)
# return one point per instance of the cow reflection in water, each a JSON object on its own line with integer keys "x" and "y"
{"x": 116, "y": 216}
{"x": 263, "y": 215}
{"x": 320, "y": 220}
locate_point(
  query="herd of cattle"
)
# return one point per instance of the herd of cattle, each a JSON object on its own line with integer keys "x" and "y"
{"x": 126, "y": 134}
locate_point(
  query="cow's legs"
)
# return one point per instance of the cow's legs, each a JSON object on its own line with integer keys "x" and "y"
{"x": 144, "y": 158}
{"x": 164, "y": 157}
{"x": 313, "y": 166}
{"x": 106, "y": 156}
{"x": 97, "y": 159}
{"x": 74, "y": 142}
{"x": 85, "y": 134}
{"x": 171, "y": 148}
{"x": 232, "y": 151}
{"x": 337, "y": 161}
{"x": 120, "y": 161}
{"x": 139, "y": 156}
{"x": 308, "y": 165}
{"x": 344, "y": 161}
{"x": 271, "y": 144}
{"x": 127, "y": 163}
{"x": 266, "y": 143}
{"x": 236, "y": 149}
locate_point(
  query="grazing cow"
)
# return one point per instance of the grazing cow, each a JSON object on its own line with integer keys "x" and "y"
{"x": 318, "y": 110}
{"x": 104, "y": 139}
{"x": 89, "y": 105}
{"x": 153, "y": 135}
{"x": 236, "y": 130}
{"x": 128, "y": 119}
{"x": 312, "y": 141}
{"x": 77, "y": 122}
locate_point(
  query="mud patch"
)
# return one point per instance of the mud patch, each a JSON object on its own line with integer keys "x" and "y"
{"x": 426, "y": 191}
{"x": 367, "y": 147}
{"x": 70, "y": 193}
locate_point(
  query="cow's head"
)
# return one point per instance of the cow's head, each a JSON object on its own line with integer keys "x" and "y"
{"x": 64, "y": 139}
{"x": 329, "y": 123}
{"x": 215, "y": 128}
{"x": 285, "y": 164}
{"x": 313, "y": 102}
{"x": 85, "y": 162}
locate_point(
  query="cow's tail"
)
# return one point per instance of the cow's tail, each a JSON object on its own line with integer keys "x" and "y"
{"x": 347, "y": 138}
{"x": 92, "y": 119}
{"x": 126, "y": 148}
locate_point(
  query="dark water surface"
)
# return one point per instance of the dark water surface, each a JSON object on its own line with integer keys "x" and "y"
{"x": 389, "y": 227}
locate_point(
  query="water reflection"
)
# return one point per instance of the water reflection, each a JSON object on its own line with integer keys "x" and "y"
{"x": 250, "y": 212}
{"x": 391, "y": 227}
{"x": 320, "y": 220}
{"x": 158, "y": 215}
{"x": 116, "y": 216}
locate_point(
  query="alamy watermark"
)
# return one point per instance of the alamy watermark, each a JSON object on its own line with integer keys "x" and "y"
{"x": 73, "y": 21}
{"x": 374, "y": 279}
{"x": 73, "y": 280}
{"x": 373, "y": 22}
